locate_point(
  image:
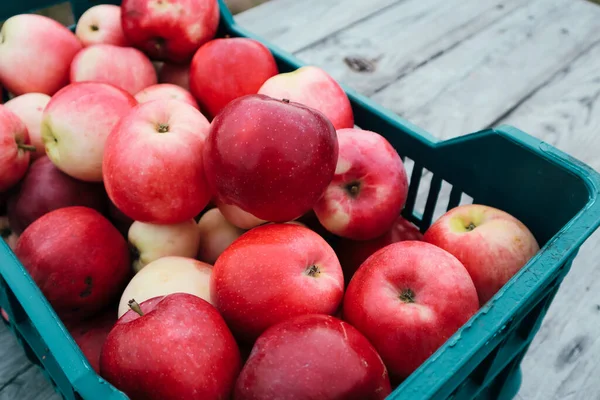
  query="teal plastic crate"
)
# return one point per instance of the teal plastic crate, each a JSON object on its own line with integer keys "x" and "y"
{"x": 555, "y": 195}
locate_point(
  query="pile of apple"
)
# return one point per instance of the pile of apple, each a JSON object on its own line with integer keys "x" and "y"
{"x": 227, "y": 232}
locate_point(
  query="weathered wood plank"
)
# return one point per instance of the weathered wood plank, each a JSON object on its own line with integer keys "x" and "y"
{"x": 294, "y": 24}
{"x": 469, "y": 87}
{"x": 30, "y": 385}
{"x": 13, "y": 360}
{"x": 563, "y": 360}
{"x": 402, "y": 39}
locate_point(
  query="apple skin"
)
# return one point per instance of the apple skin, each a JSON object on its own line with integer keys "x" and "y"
{"x": 176, "y": 74}
{"x": 163, "y": 91}
{"x": 408, "y": 298}
{"x": 76, "y": 123}
{"x": 101, "y": 24}
{"x": 168, "y": 275}
{"x": 368, "y": 190}
{"x": 169, "y": 30}
{"x": 343, "y": 364}
{"x": 154, "y": 176}
{"x": 29, "y": 108}
{"x": 272, "y": 273}
{"x": 179, "y": 349}
{"x": 352, "y": 253}
{"x": 225, "y": 69}
{"x": 239, "y": 217}
{"x": 216, "y": 234}
{"x": 45, "y": 188}
{"x": 24, "y": 38}
{"x": 287, "y": 159}
{"x": 152, "y": 242}
{"x": 124, "y": 67}
{"x": 495, "y": 248}
{"x": 15, "y": 149}
{"x": 313, "y": 87}
{"x": 77, "y": 258}
{"x": 90, "y": 335}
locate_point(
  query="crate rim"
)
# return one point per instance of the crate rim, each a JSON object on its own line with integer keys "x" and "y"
{"x": 500, "y": 308}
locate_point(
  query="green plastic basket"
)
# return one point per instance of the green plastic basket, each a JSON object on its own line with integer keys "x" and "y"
{"x": 554, "y": 194}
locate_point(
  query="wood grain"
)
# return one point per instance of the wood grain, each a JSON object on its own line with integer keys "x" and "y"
{"x": 402, "y": 39}
{"x": 30, "y": 385}
{"x": 13, "y": 361}
{"x": 295, "y": 24}
{"x": 471, "y": 86}
{"x": 563, "y": 360}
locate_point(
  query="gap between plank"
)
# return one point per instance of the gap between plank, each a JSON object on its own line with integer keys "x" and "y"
{"x": 16, "y": 376}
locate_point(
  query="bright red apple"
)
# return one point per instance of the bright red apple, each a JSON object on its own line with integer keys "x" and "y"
{"x": 368, "y": 190}
{"x": 313, "y": 87}
{"x": 274, "y": 272}
{"x": 45, "y": 188}
{"x": 352, "y": 253}
{"x": 224, "y": 69}
{"x": 342, "y": 363}
{"x": 101, "y": 24}
{"x": 76, "y": 123}
{"x": 124, "y": 67}
{"x": 23, "y": 40}
{"x": 408, "y": 299}
{"x": 90, "y": 335}
{"x": 153, "y": 163}
{"x": 492, "y": 244}
{"x": 176, "y": 74}
{"x": 29, "y": 108}
{"x": 15, "y": 149}
{"x": 171, "y": 347}
{"x": 77, "y": 258}
{"x": 272, "y": 158}
{"x": 169, "y": 30}
{"x": 165, "y": 91}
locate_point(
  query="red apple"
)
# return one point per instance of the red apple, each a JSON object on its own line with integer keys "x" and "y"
{"x": 77, "y": 258}
{"x": 123, "y": 67}
{"x": 238, "y": 217}
{"x": 101, "y": 24}
{"x": 176, "y": 74}
{"x": 224, "y": 69}
{"x": 168, "y": 275}
{"x": 90, "y": 335}
{"x": 164, "y": 91}
{"x": 76, "y": 123}
{"x": 352, "y": 253}
{"x": 170, "y": 30}
{"x": 368, "y": 190}
{"x": 313, "y": 357}
{"x": 216, "y": 234}
{"x": 271, "y": 158}
{"x": 29, "y": 108}
{"x": 151, "y": 242}
{"x": 23, "y": 40}
{"x": 408, "y": 299}
{"x": 177, "y": 347}
{"x": 153, "y": 163}
{"x": 272, "y": 273}
{"x": 45, "y": 188}
{"x": 14, "y": 149}
{"x": 492, "y": 244}
{"x": 313, "y": 87}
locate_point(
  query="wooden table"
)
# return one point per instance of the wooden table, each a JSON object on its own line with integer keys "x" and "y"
{"x": 454, "y": 67}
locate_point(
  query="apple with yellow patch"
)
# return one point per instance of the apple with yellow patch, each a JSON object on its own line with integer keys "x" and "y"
{"x": 216, "y": 234}
{"x": 492, "y": 244}
{"x": 368, "y": 190}
{"x": 29, "y": 107}
{"x": 150, "y": 242}
{"x": 101, "y": 24}
{"x": 239, "y": 217}
{"x": 165, "y": 276}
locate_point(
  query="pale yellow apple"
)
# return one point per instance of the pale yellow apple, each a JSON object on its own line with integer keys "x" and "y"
{"x": 216, "y": 234}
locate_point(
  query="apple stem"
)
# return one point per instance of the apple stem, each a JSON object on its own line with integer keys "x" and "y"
{"x": 407, "y": 296}
{"x": 135, "y": 307}
{"x": 470, "y": 227}
{"x": 163, "y": 128}
{"x": 313, "y": 271}
{"x": 26, "y": 147}
{"x": 286, "y": 101}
